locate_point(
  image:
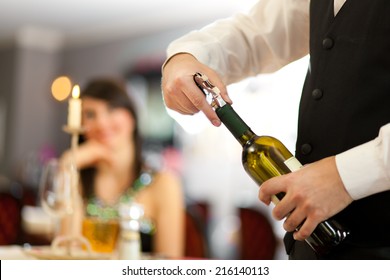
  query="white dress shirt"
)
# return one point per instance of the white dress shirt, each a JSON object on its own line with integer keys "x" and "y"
{"x": 273, "y": 34}
{"x": 337, "y": 5}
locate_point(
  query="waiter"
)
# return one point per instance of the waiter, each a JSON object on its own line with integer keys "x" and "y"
{"x": 344, "y": 114}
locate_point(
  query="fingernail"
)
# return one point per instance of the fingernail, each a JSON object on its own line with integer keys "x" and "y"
{"x": 216, "y": 122}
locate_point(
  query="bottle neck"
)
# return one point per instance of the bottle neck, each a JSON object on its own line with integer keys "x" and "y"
{"x": 233, "y": 122}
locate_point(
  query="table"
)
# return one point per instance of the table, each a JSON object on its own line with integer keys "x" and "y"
{"x": 14, "y": 252}
{"x": 17, "y": 252}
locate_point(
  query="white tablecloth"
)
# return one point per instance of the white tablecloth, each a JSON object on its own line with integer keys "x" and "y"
{"x": 14, "y": 252}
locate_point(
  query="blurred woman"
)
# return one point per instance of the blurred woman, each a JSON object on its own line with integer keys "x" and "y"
{"x": 111, "y": 168}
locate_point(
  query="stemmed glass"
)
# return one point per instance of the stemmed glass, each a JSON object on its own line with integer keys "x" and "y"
{"x": 58, "y": 197}
{"x": 56, "y": 189}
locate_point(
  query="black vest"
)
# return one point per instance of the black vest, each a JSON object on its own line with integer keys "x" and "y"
{"x": 346, "y": 98}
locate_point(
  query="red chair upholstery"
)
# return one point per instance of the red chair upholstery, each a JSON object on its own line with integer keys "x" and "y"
{"x": 258, "y": 241}
{"x": 196, "y": 241}
{"x": 10, "y": 219}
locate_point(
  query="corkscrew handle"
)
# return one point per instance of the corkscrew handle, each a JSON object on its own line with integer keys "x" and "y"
{"x": 203, "y": 82}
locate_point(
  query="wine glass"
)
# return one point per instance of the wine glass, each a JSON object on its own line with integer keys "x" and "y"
{"x": 58, "y": 197}
{"x": 56, "y": 189}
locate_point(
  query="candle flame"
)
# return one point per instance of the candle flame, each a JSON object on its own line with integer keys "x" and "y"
{"x": 76, "y": 92}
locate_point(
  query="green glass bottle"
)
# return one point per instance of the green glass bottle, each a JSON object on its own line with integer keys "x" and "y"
{"x": 264, "y": 157}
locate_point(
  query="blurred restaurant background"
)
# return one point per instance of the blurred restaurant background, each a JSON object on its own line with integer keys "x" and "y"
{"x": 42, "y": 40}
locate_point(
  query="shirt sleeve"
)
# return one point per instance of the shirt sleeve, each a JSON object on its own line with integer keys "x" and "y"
{"x": 271, "y": 35}
{"x": 365, "y": 169}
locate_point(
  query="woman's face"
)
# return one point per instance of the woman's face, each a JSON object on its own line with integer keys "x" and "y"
{"x": 110, "y": 126}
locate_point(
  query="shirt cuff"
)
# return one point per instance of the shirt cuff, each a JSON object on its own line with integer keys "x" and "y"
{"x": 362, "y": 170}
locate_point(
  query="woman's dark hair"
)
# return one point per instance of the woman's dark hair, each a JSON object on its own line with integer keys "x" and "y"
{"x": 115, "y": 94}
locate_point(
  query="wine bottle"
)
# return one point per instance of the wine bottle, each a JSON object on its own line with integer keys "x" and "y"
{"x": 264, "y": 157}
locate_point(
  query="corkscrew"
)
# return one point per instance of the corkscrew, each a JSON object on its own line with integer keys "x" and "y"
{"x": 203, "y": 82}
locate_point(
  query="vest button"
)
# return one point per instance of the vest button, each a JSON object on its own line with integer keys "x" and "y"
{"x": 317, "y": 94}
{"x": 327, "y": 43}
{"x": 306, "y": 149}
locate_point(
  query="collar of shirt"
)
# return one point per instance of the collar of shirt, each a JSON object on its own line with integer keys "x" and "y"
{"x": 337, "y": 5}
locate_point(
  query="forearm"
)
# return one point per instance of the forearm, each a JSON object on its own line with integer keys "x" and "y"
{"x": 365, "y": 170}
{"x": 87, "y": 154}
{"x": 78, "y": 157}
{"x": 247, "y": 45}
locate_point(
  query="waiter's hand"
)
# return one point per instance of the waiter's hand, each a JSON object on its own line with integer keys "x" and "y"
{"x": 180, "y": 92}
{"x": 313, "y": 194}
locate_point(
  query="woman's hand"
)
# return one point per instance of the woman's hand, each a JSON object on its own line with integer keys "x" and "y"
{"x": 87, "y": 154}
{"x": 180, "y": 92}
{"x": 313, "y": 194}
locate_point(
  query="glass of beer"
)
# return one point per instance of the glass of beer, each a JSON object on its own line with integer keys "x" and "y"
{"x": 101, "y": 231}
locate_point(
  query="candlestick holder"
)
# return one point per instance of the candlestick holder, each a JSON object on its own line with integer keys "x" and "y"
{"x": 73, "y": 238}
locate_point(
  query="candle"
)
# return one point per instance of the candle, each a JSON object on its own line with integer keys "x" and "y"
{"x": 74, "y": 109}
